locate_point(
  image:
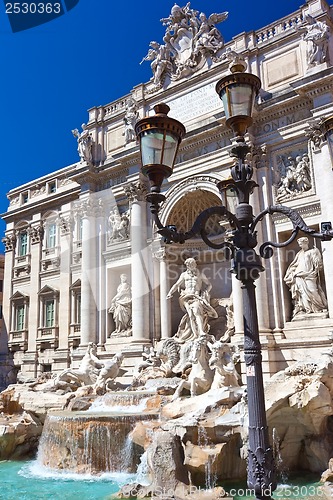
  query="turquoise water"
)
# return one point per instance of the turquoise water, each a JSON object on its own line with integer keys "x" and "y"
{"x": 304, "y": 487}
{"x": 30, "y": 481}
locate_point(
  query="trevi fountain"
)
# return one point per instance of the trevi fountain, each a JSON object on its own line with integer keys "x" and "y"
{"x": 175, "y": 424}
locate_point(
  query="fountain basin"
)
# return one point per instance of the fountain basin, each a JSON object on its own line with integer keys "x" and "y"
{"x": 87, "y": 442}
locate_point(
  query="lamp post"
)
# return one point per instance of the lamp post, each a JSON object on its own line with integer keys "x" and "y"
{"x": 159, "y": 137}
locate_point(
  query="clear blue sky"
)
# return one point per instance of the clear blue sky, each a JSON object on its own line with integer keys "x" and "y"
{"x": 53, "y": 73}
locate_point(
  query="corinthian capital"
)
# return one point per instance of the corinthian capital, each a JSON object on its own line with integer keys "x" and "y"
{"x": 9, "y": 241}
{"x": 136, "y": 191}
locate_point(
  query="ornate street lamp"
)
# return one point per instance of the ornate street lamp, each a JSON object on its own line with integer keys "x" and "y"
{"x": 237, "y": 92}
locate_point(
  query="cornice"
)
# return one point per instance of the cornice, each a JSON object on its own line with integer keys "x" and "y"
{"x": 315, "y": 83}
{"x": 42, "y": 205}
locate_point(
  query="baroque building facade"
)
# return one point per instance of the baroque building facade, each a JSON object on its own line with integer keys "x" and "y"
{"x": 72, "y": 235}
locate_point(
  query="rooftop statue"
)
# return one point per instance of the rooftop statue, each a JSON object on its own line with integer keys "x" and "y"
{"x": 84, "y": 144}
{"x": 316, "y": 34}
{"x": 130, "y": 119}
{"x": 190, "y": 41}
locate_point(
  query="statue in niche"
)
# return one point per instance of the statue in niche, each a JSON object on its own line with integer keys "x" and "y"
{"x": 161, "y": 64}
{"x": 119, "y": 226}
{"x": 84, "y": 144}
{"x": 121, "y": 309}
{"x": 194, "y": 300}
{"x": 295, "y": 176}
{"x": 316, "y": 36}
{"x": 130, "y": 119}
{"x": 303, "y": 279}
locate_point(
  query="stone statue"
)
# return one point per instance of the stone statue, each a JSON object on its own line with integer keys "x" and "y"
{"x": 86, "y": 374}
{"x": 194, "y": 301}
{"x": 160, "y": 57}
{"x": 302, "y": 173}
{"x": 316, "y": 36}
{"x": 121, "y": 309}
{"x": 190, "y": 41}
{"x": 108, "y": 373}
{"x": 130, "y": 119}
{"x": 230, "y": 318}
{"x": 208, "y": 37}
{"x": 201, "y": 375}
{"x": 303, "y": 279}
{"x": 295, "y": 176}
{"x": 222, "y": 361}
{"x": 119, "y": 226}
{"x": 84, "y": 143}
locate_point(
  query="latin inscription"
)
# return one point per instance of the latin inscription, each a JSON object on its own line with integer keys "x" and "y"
{"x": 195, "y": 103}
{"x": 283, "y": 121}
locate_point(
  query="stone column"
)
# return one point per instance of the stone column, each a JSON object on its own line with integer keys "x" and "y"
{"x": 101, "y": 278}
{"x": 10, "y": 242}
{"x": 139, "y": 270}
{"x": 88, "y": 276}
{"x": 261, "y": 291}
{"x": 65, "y": 225}
{"x": 36, "y": 233}
{"x": 165, "y": 312}
{"x": 322, "y": 167}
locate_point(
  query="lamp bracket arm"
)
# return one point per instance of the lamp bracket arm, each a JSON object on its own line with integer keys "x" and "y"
{"x": 170, "y": 233}
{"x": 266, "y": 249}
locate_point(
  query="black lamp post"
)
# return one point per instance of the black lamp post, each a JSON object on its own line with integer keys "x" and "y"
{"x": 159, "y": 138}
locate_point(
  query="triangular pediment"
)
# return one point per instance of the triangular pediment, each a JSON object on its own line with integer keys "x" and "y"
{"x": 19, "y": 296}
{"x": 76, "y": 284}
{"x": 48, "y": 290}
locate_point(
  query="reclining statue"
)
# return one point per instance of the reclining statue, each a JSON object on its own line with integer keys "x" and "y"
{"x": 92, "y": 371}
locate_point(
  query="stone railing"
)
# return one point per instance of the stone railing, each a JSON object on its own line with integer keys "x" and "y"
{"x": 275, "y": 29}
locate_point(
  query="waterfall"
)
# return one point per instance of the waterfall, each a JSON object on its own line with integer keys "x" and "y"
{"x": 120, "y": 402}
{"x": 282, "y": 471}
{"x": 84, "y": 442}
{"x": 210, "y": 468}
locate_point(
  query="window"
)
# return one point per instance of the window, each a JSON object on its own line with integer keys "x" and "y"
{"x": 49, "y": 304}
{"x": 76, "y": 303}
{"x": 51, "y": 235}
{"x": 49, "y": 313}
{"x": 19, "y": 308}
{"x": 78, "y": 309}
{"x": 1, "y": 286}
{"x": 52, "y": 187}
{"x": 20, "y": 317}
{"x": 25, "y": 197}
{"x": 45, "y": 368}
{"x": 23, "y": 244}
